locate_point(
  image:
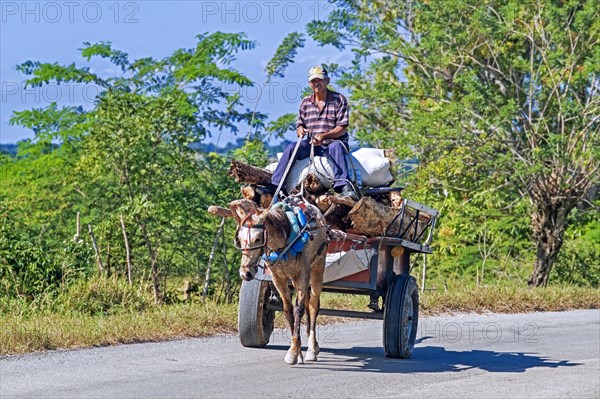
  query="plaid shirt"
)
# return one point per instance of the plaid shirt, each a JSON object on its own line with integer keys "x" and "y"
{"x": 334, "y": 113}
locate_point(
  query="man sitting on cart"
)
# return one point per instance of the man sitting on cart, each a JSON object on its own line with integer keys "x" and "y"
{"x": 324, "y": 115}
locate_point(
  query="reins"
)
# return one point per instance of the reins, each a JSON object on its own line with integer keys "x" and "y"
{"x": 285, "y": 173}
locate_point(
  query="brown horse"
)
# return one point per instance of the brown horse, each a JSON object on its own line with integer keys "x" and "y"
{"x": 268, "y": 231}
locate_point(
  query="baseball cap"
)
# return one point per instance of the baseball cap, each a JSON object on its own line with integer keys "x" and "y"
{"x": 317, "y": 72}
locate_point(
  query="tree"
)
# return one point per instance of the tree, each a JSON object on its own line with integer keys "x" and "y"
{"x": 492, "y": 97}
{"x": 133, "y": 146}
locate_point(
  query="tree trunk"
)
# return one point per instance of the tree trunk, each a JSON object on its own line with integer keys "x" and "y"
{"x": 553, "y": 196}
{"x": 549, "y": 225}
{"x": 322, "y": 202}
{"x": 77, "y": 228}
{"x": 96, "y": 251}
{"x": 153, "y": 255}
{"x": 210, "y": 259}
{"x": 226, "y": 272}
{"x": 127, "y": 251}
{"x": 108, "y": 260}
{"x": 187, "y": 291}
{"x": 155, "y": 276}
{"x": 371, "y": 218}
{"x": 244, "y": 173}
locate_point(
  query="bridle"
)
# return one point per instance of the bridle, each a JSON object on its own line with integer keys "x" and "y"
{"x": 249, "y": 226}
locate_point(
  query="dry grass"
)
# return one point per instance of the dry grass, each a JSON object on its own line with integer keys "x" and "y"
{"x": 510, "y": 300}
{"x": 43, "y": 331}
{"x": 488, "y": 299}
{"x": 56, "y": 331}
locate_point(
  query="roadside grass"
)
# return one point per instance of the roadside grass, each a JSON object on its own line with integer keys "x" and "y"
{"x": 38, "y": 332}
{"x": 510, "y": 299}
{"x": 53, "y": 327}
{"x": 483, "y": 299}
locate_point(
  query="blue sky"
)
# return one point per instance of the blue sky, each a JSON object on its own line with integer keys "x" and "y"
{"x": 52, "y": 31}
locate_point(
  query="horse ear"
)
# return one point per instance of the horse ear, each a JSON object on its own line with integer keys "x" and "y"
{"x": 262, "y": 216}
{"x": 241, "y": 208}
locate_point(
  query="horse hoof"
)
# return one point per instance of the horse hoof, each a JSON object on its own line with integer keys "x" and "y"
{"x": 291, "y": 359}
{"x": 311, "y": 356}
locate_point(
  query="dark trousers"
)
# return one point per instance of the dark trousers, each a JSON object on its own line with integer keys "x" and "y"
{"x": 336, "y": 151}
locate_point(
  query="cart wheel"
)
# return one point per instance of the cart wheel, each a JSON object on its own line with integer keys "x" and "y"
{"x": 255, "y": 320}
{"x": 401, "y": 317}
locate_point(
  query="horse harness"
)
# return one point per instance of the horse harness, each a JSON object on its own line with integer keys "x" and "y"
{"x": 249, "y": 226}
{"x": 303, "y": 223}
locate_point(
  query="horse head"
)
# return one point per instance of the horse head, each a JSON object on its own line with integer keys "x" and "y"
{"x": 249, "y": 236}
{"x": 258, "y": 231}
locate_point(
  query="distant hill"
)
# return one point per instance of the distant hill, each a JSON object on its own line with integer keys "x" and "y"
{"x": 10, "y": 149}
{"x": 208, "y": 147}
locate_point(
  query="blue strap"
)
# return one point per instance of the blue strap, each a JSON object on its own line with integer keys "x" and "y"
{"x": 297, "y": 222}
{"x": 301, "y": 218}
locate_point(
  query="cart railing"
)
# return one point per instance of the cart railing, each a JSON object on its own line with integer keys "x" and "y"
{"x": 413, "y": 222}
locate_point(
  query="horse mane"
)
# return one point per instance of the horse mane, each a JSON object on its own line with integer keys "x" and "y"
{"x": 278, "y": 224}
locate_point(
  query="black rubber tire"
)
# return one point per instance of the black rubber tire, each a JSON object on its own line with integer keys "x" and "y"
{"x": 401, "y": 317}
{"x": 255, "y": 320}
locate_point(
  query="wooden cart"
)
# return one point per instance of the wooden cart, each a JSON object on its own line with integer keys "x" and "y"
{"x": 386, "y": 279}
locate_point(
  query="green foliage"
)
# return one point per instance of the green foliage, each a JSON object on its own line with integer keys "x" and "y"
{"x": 579, "y": 261}
{"x": 32, "y": 264}
{"x": 52, "y": 123}
{"x": 25, "y": 269}
{"x": 280, "y": 126}
{"x": 7, "y": 151}
{"x": 495, "y": 100}
{"x": 284, "y": 55}
{"x": 44, "y": 73}
{"x": 129, "y": 160}
{"x": 253, "y": 152}
{"x": 101, "y": 296}
{"x": 104, "y": 50}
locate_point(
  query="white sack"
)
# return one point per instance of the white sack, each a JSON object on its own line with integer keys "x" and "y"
{"x": 373, "y": 167}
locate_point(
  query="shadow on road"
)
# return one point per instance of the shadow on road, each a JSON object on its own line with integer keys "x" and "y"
{"x": 430, "y": 359}
{"x": 437, "y": 359}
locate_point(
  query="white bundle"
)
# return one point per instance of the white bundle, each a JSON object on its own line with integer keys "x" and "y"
{"x": 375, "y": 167}
{"x": 371, "y": 164}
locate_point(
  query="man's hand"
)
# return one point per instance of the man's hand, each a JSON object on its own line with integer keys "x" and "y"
{"x": 318, "y": 139}
{"x": 300, "y": 131}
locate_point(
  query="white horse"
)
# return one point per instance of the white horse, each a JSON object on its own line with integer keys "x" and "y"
{"x": 263, "y": 232}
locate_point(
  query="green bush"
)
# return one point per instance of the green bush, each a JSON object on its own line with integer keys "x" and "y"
{"x": 25, "y": 268}
{"x": 32, "y": 265}
{"x": 579, "y": 259}
{"x": 102, "y": 295}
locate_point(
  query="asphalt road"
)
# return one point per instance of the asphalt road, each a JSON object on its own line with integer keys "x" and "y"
{"x": 476, "y": 356}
